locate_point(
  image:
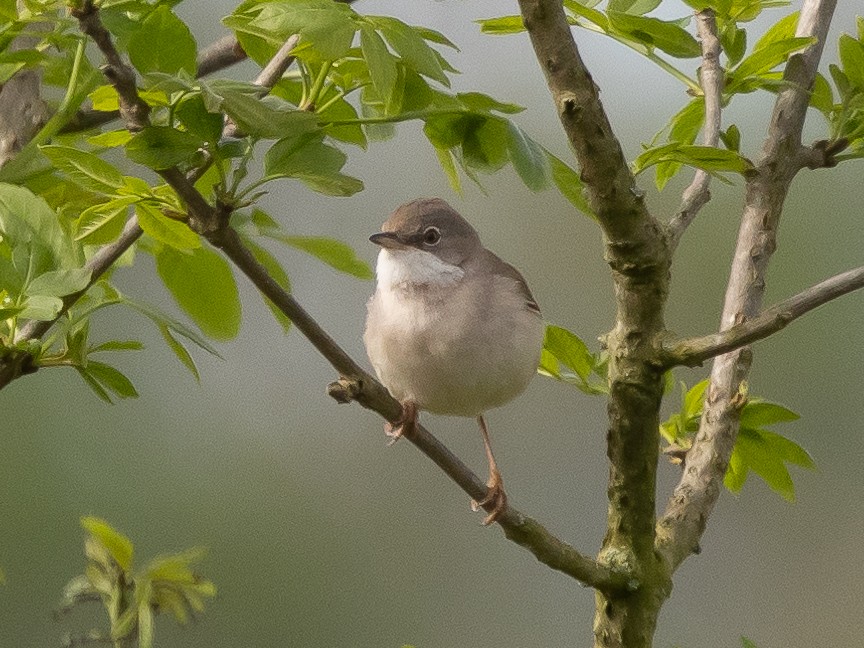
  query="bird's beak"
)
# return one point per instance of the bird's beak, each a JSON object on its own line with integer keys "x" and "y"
{"x": 388, "y": 240}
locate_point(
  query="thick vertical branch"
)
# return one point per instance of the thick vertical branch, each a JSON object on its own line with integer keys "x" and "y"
{"x": 637, "y": 253}
{"x": 688, "y": 509}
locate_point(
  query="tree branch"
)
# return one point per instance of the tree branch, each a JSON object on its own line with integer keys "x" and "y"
{"x": 688, "y": 509}
{"x": 357, "y": 384}
{"x": 695, "y": 351}
{"x": 711, "y": 78}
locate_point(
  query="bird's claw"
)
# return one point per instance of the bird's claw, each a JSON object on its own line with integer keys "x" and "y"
{"x": 495, "y": 501}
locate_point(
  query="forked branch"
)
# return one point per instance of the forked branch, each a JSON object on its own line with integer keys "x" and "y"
{"x": 695, "y": 351}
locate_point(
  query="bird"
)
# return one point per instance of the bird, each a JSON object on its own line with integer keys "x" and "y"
{"x": 451, "y": 328}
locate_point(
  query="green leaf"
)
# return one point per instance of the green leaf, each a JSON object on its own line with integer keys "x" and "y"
{"x": 202, "y": 284}
{"x": 103, "y": 223}
{"x": 762, "y": 61}
{"x": 277, "y": 272}
{"x": 167, "y": 230}
{"x": 112, "y": 379}
{"x": 683, "y": 128}
{"x": 199, "y": 121}
{"x": 736, "y": 473}
{"x": 569, "y": 184}
{"x": 328, "y": 26}
{"x": 268, "y": 117}
{"x": 669, "y": 37}
{"x": 314, "y": 163}
{"x": 58, "y": 283}
{"x": 445, "y": 158}
{"x": 746, "y": 643}
{"x": 411, "y": 47}
{"x": 787, "y": 449}
{"x": 502, "y": 26}
{"x": 634, "y": 7}
{"x": 757, "y": 414}
{"x": 528, "y": 158}
{"x": 734, "y": 42}
{"x": 163, "y": 43}
{"x": 693, "y": 400}
{"x": 759, "y": 458}
{"x": 822, "y": 97}
{"x": 783, "y": 29}
{"x": 710, "y": 159}
{"x": 179, "y": 350}
{"x": 118, "y": 545}
{"x": 161, "y": 319}
{"x": 161, "y": 147}
{"x": 731, "y": 138}
{"x": 42, "y": 307}
{"x": 117, "y": 345}
{"x": 479, "y": 102}
{"x": 111, "y": 139}
{"x": 569, "y": 349}
{"x": 334, "y": 253}
{"x": 852, "y": 60}
{"x": 382, "y": 67}
{"x": 85, "y": 169}
{"x": 484, "y": 146}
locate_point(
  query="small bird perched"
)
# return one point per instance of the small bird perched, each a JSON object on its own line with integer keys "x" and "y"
{"x": 451, "y": 329}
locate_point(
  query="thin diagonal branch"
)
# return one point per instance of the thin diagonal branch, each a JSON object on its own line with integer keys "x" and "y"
{"x": 695, "y": 351}
{"x": 697, "y": 195}
{"x": 688, "y": 509}
{"x": 357, "y": 384}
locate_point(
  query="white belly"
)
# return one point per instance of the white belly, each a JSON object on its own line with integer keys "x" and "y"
{"x": 451, "y": 349}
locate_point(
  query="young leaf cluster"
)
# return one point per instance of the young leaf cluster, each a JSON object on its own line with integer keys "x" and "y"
{"x": 757, "y": 448}
{"x": 133, "y": 597}
{"x": 566, "y": 357}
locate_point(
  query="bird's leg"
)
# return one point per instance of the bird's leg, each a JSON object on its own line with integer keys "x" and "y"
{"x": 405, "y": 425}
{"x": 496, "y": 498}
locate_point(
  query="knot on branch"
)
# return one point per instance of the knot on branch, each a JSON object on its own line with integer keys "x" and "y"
{"x": 344, "y": 390}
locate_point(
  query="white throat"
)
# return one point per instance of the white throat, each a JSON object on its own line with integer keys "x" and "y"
{"x": 412, "y": 267}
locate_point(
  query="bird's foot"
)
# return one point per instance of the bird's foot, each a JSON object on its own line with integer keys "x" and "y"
{"x": 404, "y": 426}
{"x": 495, "y": 501}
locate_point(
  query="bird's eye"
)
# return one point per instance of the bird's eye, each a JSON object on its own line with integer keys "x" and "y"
{"x": 431, "y": 236}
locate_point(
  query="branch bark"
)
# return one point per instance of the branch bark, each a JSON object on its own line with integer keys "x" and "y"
{"x": 687, "y": 511}
{"x": 355, "y": 383}
{"x": 695, "y": 351}
{"x": 638, "y": 255}
{"x": 711, "y": 78}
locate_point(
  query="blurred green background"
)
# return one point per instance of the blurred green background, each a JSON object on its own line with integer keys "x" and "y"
{"x": 322, "y": 536}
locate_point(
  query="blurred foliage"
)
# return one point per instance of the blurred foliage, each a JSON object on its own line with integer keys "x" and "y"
{"x": 132, "y": 597}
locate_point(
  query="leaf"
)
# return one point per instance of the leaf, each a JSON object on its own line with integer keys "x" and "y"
{"x": 763, "y": 61}
{"x": 736, "y": 473}
{"x": 634, "y": 7}
{"x": 683, "y": 127}
{"x": 85, "y": 169}
{"x": 42, "y": 307}
{"x": 731, "y": 138}
{"x": 734, "y": 42}
{"x": 569, "y": 184}
{"x": 111, "y": 139}
{"x": 58, "y": 283}
{"x": 528, "y": 158}
{"x": 94, "y": 385}
{"x": 167, "y": 230}
{"x": 411, "y": 47}
{"x": 568, "y": 349}
{"x": 117, "y": 345}
{"x": 711, "y": 159}
{"x": 277, "y": 272}
{"x": 757, "y": 414}
{"x": 759, "y": 458}
{"x": 161, "y": 319}
{"x": 103, "y": 223}
{"x": 653, "y": 32}
{"x": 179, "y": 350}
{"x": 783, "y": 29}
{"x": 445, "y": 158}
{"x": 314, "y": 163}
{"x": 117, "y": 544}
{"x": 484, "y": 146}
{"x": 202, "y": 284}
{"x": 161, "y": 147}
{"x": 163, "y": 43}
{"x": 199, "y": 121}
{"x": 328, "y": 26}
{"x": 787, "y": 449}
{"x": 112, "y": 379}
{"x": 266, "y": 117}
{"x": 852, "y": 60}
{"x": 501, "y": 26}
{"x": 382, "y": 67}
{"x": 334, "y": 253}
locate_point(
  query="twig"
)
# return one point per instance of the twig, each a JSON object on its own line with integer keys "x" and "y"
{"x": 697, "y": 195}
{"x": 357, "y": 384}
{"x": 688, "y": 509}
{"x": 695, "y": 351}
{"x": 267, "y": 78}
{"x": 97, "y": 265}
{"x": 220, "y": 54}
